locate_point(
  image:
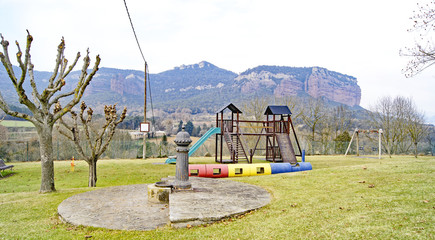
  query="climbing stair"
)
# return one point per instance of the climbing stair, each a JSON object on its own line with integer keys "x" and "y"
{"x": 235, "y": 146}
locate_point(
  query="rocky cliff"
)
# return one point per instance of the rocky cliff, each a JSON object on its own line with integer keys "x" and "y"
{"x": 289, "y": 81}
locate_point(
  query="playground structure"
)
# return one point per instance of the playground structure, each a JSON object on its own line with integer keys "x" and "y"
{"x": 358, "y": 147}
{"x": 277, "y": 130}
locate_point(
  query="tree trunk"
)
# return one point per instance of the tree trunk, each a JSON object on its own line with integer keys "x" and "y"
{"x": 46, "y": 151}
{"x": 415, "y": 150}
{"x": 92, "y": 173}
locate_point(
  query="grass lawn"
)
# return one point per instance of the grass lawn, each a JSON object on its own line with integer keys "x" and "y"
{"x": 342, "y": 198}
{"x": 12, "y": 123}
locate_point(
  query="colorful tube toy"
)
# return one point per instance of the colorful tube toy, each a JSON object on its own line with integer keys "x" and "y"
{"x": 243, "y": 170}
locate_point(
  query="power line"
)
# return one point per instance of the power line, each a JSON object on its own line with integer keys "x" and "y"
{"x": 134, "y": 32}
{"x": 145, "y": 80}
{"x": 151, "y": 99}
{"x": 143, "y": 57}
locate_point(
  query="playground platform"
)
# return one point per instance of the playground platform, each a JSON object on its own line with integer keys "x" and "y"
{"x": 127, "y": 207}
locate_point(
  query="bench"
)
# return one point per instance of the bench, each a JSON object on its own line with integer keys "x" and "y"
{"x": 3, "y": 167}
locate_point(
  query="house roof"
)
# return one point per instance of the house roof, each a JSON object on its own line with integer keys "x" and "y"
{"x": 277, "y": 110}
{"x": 231, "y": 107}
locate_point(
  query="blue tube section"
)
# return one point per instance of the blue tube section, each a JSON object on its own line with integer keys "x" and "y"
{"x": 305, "y": 166}
{"x": 302, "y": 166}
{"x": 280, "y": 167}
{"x": 287, "y": 167}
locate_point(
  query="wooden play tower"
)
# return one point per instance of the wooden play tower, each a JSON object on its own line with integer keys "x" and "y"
{"x": 277, "y": 129}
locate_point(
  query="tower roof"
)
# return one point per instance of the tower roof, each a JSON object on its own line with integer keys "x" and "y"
{"x": 277, "y": 110}
{"x": 231, "y": 107}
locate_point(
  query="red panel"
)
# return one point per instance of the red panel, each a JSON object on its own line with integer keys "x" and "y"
{"x": 197, "y": 170}
{"x": 216, "y": 170}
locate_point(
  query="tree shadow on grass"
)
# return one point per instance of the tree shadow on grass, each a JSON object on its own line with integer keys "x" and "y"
{"x": 6, "y": 175}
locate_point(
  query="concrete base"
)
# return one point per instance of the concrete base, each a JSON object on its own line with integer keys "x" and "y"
{"x": 158, "y": 194}
{"x": 128, "y": 208}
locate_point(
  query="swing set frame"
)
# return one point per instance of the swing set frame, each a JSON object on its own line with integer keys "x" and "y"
{"x": 357, "y": 132}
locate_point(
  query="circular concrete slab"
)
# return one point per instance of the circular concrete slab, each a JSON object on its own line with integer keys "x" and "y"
{"x": 127, "y": 207}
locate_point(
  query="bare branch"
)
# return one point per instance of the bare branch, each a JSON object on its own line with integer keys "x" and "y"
{"x": 19, "y": 55}
{"x": 24, "y": 65}
{"x": 60, "y": 50}
{"x": 56, "y": 99}
{"x": 61, "y": 82}
{"x": 86, "y": 126}
{"x": 64, "y": 133}
{"x": 81, "y": 86}
{"x": 70, "y": 68}
{"x": 422, "y": 54}
{"x": 6, "y": 61}
{"x": 35, "y": 94}
{"x": 5, "y": 107}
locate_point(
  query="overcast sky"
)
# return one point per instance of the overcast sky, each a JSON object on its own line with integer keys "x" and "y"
{"x": 358, "y": 38}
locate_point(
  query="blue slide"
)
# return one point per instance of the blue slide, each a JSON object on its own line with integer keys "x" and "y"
{"x": 195, "y": 146}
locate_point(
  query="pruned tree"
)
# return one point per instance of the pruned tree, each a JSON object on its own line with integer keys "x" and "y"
{"x": 96, "y": 140}
{"x": 422, "y": 54}
{"x": 41, "y": 103}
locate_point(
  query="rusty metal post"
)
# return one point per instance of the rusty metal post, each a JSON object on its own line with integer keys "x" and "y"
{"x": 182, "y": 165}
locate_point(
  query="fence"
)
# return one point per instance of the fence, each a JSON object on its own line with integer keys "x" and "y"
{"x": 130, "y": 149}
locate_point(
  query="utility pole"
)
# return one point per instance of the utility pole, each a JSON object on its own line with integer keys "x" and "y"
{"x": 145, "y": 114}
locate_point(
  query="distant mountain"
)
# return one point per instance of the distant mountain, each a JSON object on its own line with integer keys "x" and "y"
{"x": 202, "y": 87}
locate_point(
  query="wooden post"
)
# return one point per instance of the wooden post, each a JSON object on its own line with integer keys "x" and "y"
{"x": 222, "y": 135}
{"x": 350, "y": 143}
{"x": 144, "y": 151}
{"x": 294, "y": 133}
{"x": 273, "y": 140}
{"x": 357, "y": 143}
{"x": 217, "y": 138}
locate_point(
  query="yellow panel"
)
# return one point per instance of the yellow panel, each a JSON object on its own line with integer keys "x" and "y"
{"x": 239, "y": 170}
{"x": 260, "y": 169}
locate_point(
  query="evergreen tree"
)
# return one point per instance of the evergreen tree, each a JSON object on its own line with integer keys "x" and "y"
{"x": 165, "y": 140}
{"x": 180, "y": 126}
{"x": 198, "y": 131}
{"x": 189, "y": 127}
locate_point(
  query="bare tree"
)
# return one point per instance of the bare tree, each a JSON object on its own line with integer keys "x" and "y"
{"x": 430, "y": 137}
{"x": 97, "y": 141}
{"x": 417, "y": 130}
{"x": 40, "y": 104}
{"x": 341, "y": 119}
{"x": 402, "y": 124}
{"x": 401, "y": 109}
{"x": 381, "y": 116}
{"x": 294, "y": 104}
{"x": 254, "y": 109}
{"x": 423, "y": 53}
{"x": 313, "y": 115}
